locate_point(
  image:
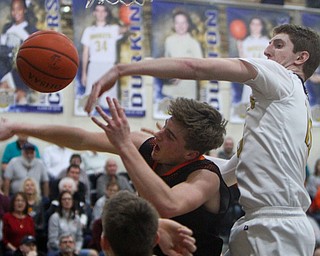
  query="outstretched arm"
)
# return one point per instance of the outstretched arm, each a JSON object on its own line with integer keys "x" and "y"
{"x": 182, "y": 68}
{"x": 66, "y": 136}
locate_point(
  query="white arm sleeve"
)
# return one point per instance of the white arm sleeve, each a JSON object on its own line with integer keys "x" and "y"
{"x": 227, "y": 168}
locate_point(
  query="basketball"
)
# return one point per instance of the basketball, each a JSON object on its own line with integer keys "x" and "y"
{"x": 47, "y": 61}
{"x": 124, "y": 14}
{"x": 238, "y": 29}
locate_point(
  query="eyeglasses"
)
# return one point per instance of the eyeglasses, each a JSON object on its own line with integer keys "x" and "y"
{"x": 66, "y": 199}
{"x": 67, "y": 241}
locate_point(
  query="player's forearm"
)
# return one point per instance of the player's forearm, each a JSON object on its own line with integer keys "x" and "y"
{"x": 189, "y": 68}
{"x": 66, "y": 136}
{"x": 148, "y": 184}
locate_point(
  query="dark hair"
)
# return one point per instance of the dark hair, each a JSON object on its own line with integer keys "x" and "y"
{"x": 14, "y": 197}
{"x": 303, "y": 39}
{"x": 73, "y": 208}
{"x": 72, "y": 166}
{"x": 73, "y": 156}
{"x": 264, "y": 30}
{"x": 205, "y": 126}
{"x": 130, "y": 224}
{"x": 110, "y": 18}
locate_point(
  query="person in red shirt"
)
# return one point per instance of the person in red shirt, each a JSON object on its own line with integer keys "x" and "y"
{"x": 16, "y": 223}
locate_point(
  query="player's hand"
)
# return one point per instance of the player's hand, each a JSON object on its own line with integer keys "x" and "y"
{"x": 106, "y": 82}
{"x": 5, "y": 129}
{"x": 116, "y": 127}
{"x": 175, "y": 239}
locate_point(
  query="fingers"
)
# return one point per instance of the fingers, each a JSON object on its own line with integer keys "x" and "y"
{"x": 149, "y": 131}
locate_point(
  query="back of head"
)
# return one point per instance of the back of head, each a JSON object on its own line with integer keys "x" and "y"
{"x": 130, "y": 224}
{"x": 303, "y": 39}
{"x": 205, "y": 125}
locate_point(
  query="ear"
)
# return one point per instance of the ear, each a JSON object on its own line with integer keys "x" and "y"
{"x": 105, "y": 245}
{"x": 157, "y": 239}
{"x": 302, "y": 57}
{"x": 191, "y": 154}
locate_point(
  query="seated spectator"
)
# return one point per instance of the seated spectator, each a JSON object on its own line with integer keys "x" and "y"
{"x": 313, "y": 182}
{"x": 93, "y": 162}
{"x": 67, "y": 246}
{"x": 75, "y": 159}
{"x": 16, "y": 223}
{"x": 111, "y": 189}
{"x": 227, "y": 149}
{"x": 28, "y": 247}
{"x": 69, "y": 184}
{"x": 66, "y": 220}
{"x": 111, "y": 175}
{"x": 73, "y": 172}
{"x": 56, "y": 159}
{"x": 14, "y": 149}
{"x": 36, "y": 209}
{"x": 21, "y": 167}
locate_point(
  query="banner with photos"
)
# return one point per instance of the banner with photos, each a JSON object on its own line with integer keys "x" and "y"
{"x": 249, "y": 34}
{"x": 104, "y": 35}
{"x": 183, "y": 30}
{"x": 313, "y": 83}
{"x": 15, "y": 95}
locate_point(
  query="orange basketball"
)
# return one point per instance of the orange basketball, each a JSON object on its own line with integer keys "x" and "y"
{"x": 238, "y": 29}
{"x": 47, "y": 61}
{"x": 124, "y": 14}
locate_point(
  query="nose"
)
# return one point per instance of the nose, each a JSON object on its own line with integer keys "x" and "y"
{"x": 267, "y": 51}
{"x": 158, "y": 135}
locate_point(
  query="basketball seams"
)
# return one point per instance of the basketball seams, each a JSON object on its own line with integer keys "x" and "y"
{"x": 50, "y": 50}
{"x": 42, "y": 71}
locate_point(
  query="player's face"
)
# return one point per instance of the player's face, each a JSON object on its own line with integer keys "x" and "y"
{"x": 100, "y": 14}
{"x": 170, "y": 144}
{"x": 255, "y": 27}
{"x": 280, "y": 49}
{"x": 18, "y": 11}
{"x": 181, "y": 25}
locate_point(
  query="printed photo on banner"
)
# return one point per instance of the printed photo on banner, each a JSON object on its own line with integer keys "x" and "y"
{"x": 313, "y": 83}
{"x": 183, "y": 30}
{"x": 19, "y": 19}
{"x": 249, "y": 34}
{"x": 104, "y": 35}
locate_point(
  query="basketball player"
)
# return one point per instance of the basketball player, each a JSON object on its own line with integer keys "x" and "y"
{"x": 99, "y": 51}
{"x": 168, "y": 170}
{"x": 273, "y": 152}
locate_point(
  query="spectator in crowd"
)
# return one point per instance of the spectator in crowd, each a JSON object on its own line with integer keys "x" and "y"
{"x": 93, "y": 162}
{"x": 76, "y": 159}
{"x": 14, "y": 149}
{"x": 227, "y": 149}
{"x": 25, "y": 166}
{"x": 111, "y": 175}
{"x": 313, "y": 182}
{"x": 36, "y": 209}
{"x": 67, "y": 246}
{"x": 66, "y": 220}
{"x": 56, "y": 158}
{"x": 73, "y": 172}
{"x": 16, "y": 223}
{"x": 28, "y": 247}
{"x": 111, "y": 189}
